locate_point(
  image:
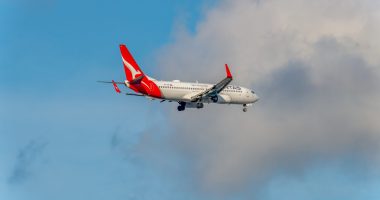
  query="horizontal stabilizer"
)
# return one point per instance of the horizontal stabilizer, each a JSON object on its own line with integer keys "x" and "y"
{"x": 115, "y": 86}
{"x": 133, "y": 94}
{"x": 117, "y": 82}
{"x": 136, "y": 80}
{"x": 114, "y": 83}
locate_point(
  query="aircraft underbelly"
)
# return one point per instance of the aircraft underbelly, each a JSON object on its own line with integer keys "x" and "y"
{"x": 226, "y": 98}
{"x": 237, "y": 99}
{"x": 174, "y": 95}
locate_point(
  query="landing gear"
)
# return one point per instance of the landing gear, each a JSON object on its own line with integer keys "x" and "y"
{"x": 199, "y": 105}
{"x": 245, "y": 108}
{"x": 181, "y": 106}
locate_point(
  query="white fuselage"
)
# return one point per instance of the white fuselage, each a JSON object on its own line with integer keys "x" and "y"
{"x": 183, "y": 91}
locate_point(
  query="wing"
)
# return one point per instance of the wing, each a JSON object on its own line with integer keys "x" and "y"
{"x": 215, "y": 89}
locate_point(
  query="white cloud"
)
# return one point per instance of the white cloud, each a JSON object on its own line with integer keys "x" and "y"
{"x": 315, "y": 65}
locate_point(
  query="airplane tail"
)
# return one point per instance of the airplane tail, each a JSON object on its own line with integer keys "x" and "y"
{"x": 131, "y": 68}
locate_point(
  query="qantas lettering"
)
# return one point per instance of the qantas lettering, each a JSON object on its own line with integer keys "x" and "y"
{"x": 231, "y": 87}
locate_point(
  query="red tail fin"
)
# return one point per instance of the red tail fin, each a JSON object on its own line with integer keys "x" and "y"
{"x": 131, "y": 68}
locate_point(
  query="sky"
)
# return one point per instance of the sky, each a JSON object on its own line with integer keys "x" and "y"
{"x": 314, "y": 134}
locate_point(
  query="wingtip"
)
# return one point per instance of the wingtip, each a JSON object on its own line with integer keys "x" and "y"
{"x": 228, "y": 71}
{"x": 115, "y": 87}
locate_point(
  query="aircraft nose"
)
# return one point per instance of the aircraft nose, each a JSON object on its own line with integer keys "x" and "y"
{"x": 255, "y": 98}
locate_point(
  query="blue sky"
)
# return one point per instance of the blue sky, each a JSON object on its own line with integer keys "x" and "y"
{"x": 59, "y": 128}
{"x": 64, "y": 136}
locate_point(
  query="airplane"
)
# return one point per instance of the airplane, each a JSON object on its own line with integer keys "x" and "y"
{"x": 187, "y": 94}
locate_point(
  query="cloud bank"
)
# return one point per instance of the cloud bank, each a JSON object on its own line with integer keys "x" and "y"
{"x": 314, "y": 64}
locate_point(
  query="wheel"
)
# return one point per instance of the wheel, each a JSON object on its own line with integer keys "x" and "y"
{"x": 181, "y": 108}
{"x": 199, "y": 105}
{"x": 245, "y": 109}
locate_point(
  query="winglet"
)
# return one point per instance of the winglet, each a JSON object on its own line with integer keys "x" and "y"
{"x": 228, "y": 72}
{"x": 115, "y": 86}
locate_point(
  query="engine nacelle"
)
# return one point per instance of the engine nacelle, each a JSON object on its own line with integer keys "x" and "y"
{"x": 221, "y": 98}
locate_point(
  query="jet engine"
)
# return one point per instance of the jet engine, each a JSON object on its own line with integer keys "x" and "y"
{"x": 221, "y": 98}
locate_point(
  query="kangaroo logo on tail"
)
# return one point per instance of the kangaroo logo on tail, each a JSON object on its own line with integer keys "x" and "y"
{"x": 131, "y": 68}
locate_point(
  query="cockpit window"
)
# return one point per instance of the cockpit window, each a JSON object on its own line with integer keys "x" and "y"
{"x": 252, "y": 92}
